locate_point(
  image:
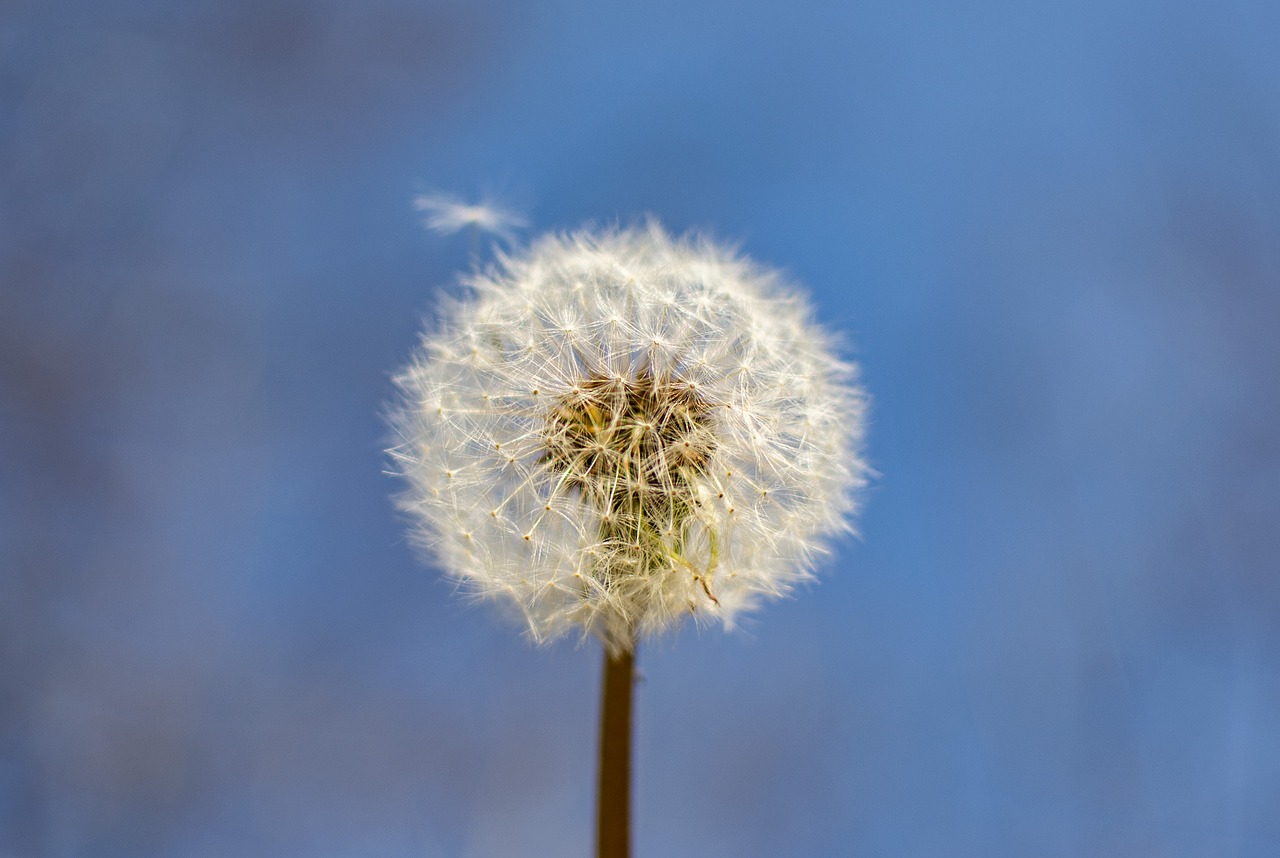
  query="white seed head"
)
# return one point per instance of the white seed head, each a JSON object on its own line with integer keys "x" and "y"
{"x": 616, "y": 430}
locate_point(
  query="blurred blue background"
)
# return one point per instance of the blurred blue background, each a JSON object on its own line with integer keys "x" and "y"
{"x": 1052, "y": 230}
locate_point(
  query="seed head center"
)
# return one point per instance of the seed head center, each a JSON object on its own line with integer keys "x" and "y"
{"x": 632, "y": 446}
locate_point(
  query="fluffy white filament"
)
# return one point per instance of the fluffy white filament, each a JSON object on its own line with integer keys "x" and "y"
{"x": 447, "y": 214}
{"x": 616, "y": 430}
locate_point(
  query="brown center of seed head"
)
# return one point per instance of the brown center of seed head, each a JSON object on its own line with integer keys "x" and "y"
{"x": 633, "y": 446}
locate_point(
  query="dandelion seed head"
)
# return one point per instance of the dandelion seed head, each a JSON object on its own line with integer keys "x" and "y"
{"x": 614, "y": 431}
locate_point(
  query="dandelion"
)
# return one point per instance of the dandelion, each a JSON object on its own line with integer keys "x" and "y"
{"x": 615, "y": 431}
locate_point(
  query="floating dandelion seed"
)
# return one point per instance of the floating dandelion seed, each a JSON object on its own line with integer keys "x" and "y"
{"x": 446, "y": 214}
{"x": 617, "y": 430}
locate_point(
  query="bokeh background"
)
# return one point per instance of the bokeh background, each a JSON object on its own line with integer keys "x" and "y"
{"x": 1052, "y": 231}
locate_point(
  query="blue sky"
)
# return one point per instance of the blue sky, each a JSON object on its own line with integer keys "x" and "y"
{"x": 1051, "y": 234}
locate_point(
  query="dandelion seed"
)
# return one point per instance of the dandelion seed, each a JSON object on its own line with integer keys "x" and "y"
{"x": 645, "y": 381}
{"x": 446, "y": 214}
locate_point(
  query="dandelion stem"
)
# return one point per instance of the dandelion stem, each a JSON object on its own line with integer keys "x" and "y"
{"x": 613, "y": 808}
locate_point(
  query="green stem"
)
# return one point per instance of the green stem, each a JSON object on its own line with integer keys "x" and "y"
{"x": 613, "y": 808}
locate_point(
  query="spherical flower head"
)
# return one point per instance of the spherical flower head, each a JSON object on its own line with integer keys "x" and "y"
{"x": 616, "y": 430}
